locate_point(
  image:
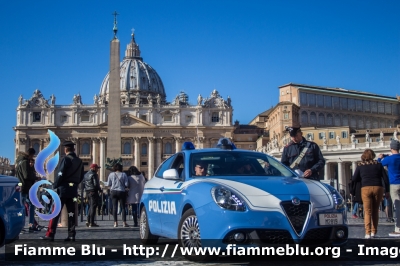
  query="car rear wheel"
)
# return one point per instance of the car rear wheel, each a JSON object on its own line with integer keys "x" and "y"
{"x": 189, "y": 235}
{"x": 145, "y": 235}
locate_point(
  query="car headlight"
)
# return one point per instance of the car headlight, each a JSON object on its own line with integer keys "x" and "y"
{"x": 336, "y": 197}
{"x": 227, "y": 199}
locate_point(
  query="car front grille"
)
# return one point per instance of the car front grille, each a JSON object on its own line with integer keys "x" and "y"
{"x": 297, "y": 214}
{"x": 317, "y": 235}
{"x": 275, "y": 236}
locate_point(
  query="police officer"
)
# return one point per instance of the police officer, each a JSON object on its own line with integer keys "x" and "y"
{"x": 92, "y": 188}
{"x": 309, "y": 161}
{"x": 69, "y": 175}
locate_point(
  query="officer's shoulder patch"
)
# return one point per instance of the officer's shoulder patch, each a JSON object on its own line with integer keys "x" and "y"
{"x": 289, "y": 144}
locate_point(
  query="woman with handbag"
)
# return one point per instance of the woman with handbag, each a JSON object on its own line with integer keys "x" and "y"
{"x": 118, "y": 183}
{"x": 136, "y": 182}
{"x": 371, "y": 174}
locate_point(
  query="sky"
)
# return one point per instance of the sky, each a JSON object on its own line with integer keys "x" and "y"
{"x": 243, "y": 49}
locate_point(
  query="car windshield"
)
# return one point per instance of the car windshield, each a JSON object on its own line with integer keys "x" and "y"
{"x": 236, "y": 163}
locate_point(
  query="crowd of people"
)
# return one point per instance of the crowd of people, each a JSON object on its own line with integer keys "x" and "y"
{"x": 99, "y": 197}
{"x": 375, "y": 187}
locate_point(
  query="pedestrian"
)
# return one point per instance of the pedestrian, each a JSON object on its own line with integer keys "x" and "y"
{"x": 371, "y": 174}
{"x": 301, "y": 154}
{"x": 392, "y": 163}
{"x": 136, "y": 187}
{"x": 70, "y": 174}
{"x": 27, "y": 178}
{"x": 356, "y": 197}
{"x": 92, "y": 189}
{"x": 118, "y": 183}
{"x": 389, "y": 209}
{"x": 144, "y": 175}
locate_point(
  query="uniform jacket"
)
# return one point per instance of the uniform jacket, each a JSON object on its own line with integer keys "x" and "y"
{"x": 24, "y": 173}
{"x": 91, "y": 181}
{"x": 313, "y": 158}
{"x": 69, "y": 175}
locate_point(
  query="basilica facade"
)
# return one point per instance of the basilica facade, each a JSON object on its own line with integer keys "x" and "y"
{"x": 152, "y": 129}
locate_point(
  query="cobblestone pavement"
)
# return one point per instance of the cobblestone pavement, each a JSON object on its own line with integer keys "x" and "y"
{"x": 106, "y": 231}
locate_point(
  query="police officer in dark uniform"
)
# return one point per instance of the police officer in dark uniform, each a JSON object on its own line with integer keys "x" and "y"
{"x": 312, "y": 161}
{"x": 69, "y": 175}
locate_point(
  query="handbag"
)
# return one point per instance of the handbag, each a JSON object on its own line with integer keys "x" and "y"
{"x": 126, "y": 188}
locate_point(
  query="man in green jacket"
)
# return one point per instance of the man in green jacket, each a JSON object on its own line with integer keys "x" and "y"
{"x": 27, "y": 178}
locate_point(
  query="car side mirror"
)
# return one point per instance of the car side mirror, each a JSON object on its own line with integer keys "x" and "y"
{"x": 171, "y": 174}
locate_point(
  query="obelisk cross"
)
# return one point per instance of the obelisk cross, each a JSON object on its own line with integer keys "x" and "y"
{"x": 115, "y": 29}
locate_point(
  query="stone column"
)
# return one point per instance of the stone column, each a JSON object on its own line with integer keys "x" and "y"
{"x": 178, "y": 141}
{"x": 95, "y": 142}
{"x": 150, "y": 161}
{"x": 340, "y": 176}
{"x": 77, "y": 147}
{"x": 159, "y": 151}
{"x": 102, "y": 158}
{"x": 353, "y": 167}
{"x": 199, "y": 117}
{"x": 326, "y": 171}
{"x": 201, "y": 142}
{"x": 137, "y": 151}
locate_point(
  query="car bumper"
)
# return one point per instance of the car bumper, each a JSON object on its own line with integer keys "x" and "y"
{"x": 267, "y": 227}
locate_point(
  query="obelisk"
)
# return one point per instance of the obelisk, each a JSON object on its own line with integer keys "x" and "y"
{"x": 114, "y": 100}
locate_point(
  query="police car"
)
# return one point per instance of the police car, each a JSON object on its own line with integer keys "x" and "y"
{"x": 238, "y": 197}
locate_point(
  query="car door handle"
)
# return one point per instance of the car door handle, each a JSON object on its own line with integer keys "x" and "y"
{"x": 162, "y": 189}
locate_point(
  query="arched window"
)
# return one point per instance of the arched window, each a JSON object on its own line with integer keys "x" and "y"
{"x": 144, "y": 149}
{"x": 127, "y": 148}
{"x": 360, "y": 122}
{"x": 345, "y": 120}
{"x": 374, "y": 123}
{"x": 382, "y": 123}
{"x": 85, "y": 148}
{"x": 321, "y": 119}
{"x": 304, "y": 118}
{"x": 215, "y": 117}
{"x": 337, "y": 121}
{"x": 353, "y": 122}
{"x": 168, "y": 148}
{"x": 329, "y": 120}
{"x": 36, "y": 147}
{"x": 368, "y": 123}
{"x": 313, "y": 119}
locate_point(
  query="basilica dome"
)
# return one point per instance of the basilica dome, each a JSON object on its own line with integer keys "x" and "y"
{"x": 136, "y": 77}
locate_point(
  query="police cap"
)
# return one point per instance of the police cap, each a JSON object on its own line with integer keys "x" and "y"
{"x": 293, "y": 130}
{"x": 68, "y": 144}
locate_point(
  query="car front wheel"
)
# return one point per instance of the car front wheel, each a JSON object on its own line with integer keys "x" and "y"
{"x": 189, "y": 235}
{"x": 145, "y": 235}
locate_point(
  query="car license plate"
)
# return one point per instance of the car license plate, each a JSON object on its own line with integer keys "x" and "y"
{"x": 330, "y": 218}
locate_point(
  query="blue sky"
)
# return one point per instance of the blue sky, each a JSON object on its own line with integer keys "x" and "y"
{"x": 244, "y": 49}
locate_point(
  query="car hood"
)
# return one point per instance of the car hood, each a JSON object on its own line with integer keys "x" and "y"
{"x": 8, "y": 179}
{"x": 270, "y": 191}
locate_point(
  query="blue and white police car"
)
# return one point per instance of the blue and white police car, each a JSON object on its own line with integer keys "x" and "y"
{"x": 238, "y": 197}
